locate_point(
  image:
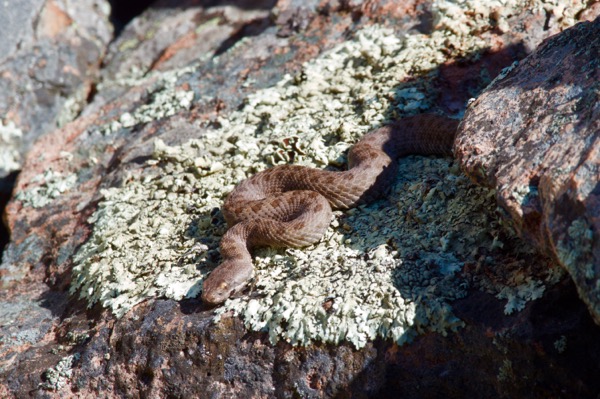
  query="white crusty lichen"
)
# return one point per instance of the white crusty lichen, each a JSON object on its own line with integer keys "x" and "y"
{"x": 10, "y": 141}
{"x": 163, "y": 101}
{"x": 46, "y": 187}
{"x": 388, "y": 269}
{"x": 162, "y": 98}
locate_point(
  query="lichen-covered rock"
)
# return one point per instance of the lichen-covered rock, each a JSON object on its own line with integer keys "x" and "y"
{"x": 534, "y": 136}
{"x": 50, "y": 55}
{"x": 121, "y": 208}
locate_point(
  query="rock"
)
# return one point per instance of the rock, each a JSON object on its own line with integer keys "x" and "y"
{"x": 49, "y": 58}
{"x": 534, "y": 136}
{"x": 115, "y": 218}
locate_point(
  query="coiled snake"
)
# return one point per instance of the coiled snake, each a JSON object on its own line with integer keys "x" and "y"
{"x": 290, "y": 205}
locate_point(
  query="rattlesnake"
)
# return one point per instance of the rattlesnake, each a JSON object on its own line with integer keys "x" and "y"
{"x": 290, "y": 205}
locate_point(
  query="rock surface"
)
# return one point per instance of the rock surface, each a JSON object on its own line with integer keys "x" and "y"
{"x": 49, "y": 59}
{"x": 82, "y": 197}
{"x": 534, "y": 136}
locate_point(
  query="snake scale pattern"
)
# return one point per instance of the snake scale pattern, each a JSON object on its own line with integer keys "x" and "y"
{"x": 291, "y": 205}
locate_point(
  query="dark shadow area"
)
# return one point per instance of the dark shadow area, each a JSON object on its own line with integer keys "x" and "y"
{"x": 425, "y": 25}
{"x": 533, "y": 339}
{"x": 123, "y": 12}
{"x": 56, "y": 302}
{"x": 6, "y": 187}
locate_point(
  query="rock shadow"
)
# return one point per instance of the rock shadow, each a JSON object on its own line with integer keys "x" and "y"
{"x": 6, "y": 187}
{"x": 123, "y": 12}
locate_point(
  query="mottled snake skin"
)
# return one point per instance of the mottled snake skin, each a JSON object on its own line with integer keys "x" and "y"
{"x": 290, "y": 205}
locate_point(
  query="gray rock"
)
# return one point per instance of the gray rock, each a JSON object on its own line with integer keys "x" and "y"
{"x": 16, "y": 27}
{"x": 49, "y": 59}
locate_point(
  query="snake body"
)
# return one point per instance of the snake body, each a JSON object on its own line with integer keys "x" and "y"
{"x": 291, "y": 205}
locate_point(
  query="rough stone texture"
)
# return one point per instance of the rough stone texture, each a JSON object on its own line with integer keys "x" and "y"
{"x": 52, "y": 346}
{"x": 534, "y": 136}
{"x": 49, "y": 58}
{"x": 50, "y": 55}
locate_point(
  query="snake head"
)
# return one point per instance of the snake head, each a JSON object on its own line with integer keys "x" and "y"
{"x": 227, "y": 279}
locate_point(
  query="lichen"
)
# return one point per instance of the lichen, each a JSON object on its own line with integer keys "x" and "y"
{"x": 575, "y": 250}
{"x": 163, "y": 101}
{"x": 505, "y": 372}
{"x": 524, "y": 195}
{"x": 363, "y": 279}
{"x": 46, "y": 187}
{"x": 77, "y": 337}
{"x": 504, "y": 72}
{"x": 561, "y": 344}
{"x": 388, "y": 269}
{"x": 518, "y": 280}
{"x": 10, "y": 141}
{"x": 518, "y": 296}
{"x": 57, "y": 377}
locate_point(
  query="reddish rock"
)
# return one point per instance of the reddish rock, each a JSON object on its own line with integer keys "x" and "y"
{"x": 534, "y": 136}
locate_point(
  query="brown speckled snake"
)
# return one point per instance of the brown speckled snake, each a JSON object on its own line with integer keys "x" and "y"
{"x": 290, "y": 205}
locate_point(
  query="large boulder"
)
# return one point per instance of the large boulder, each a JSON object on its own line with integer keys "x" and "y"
{"x": 534, "y": 136}
{"x": 115, "y": 218}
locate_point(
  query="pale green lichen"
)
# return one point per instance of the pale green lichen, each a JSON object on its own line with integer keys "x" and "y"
{"x": 519, "y": 280}
{"x": 162, "y": 97}
{"x": 388, "y": 269}
{"x": 57, "y": 377}
{"x": 518, "y": 296}
{"x": 77, "y": 337}
{"x": 504, "y": 72}
{"x": 524, "y": 194}
{"x": 47, "y": 186}
{"x": 506, "y": 373}
{"x": 10, "y": 141}
{"x": 72, "y": 107}
{"x": 561, "y": 344}
{"x": 575, "y": 250}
